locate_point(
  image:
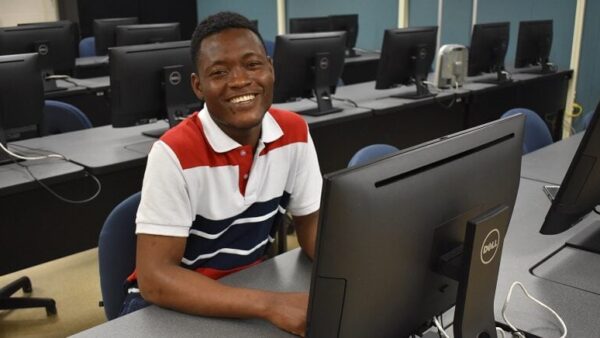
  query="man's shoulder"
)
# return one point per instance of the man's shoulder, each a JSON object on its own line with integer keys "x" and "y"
{"x": 187, "y": 140}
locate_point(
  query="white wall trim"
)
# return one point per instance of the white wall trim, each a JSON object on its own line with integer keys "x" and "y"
{"x": 281, "y": 17}
{"x": 474, "y": 14}
{"x": 575, "y": 53}
{"x": 403, "y": 13}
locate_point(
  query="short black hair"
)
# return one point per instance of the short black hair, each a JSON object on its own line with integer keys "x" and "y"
{"x": 217, "y": 23}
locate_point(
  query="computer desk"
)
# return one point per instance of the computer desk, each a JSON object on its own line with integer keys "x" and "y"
{"x": 360, "y": 68}
{"x": 549, "y": 164}
{"x": 523, "y": 249}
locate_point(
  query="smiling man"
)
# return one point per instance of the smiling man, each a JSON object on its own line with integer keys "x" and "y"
{"x": 217, "y": 184}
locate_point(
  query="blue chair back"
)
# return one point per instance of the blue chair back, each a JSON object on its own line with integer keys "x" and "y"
{"x": 116, "y": 254}
{"x": 537, "y": 134}
{"x": 370, "y": 153}
{"x": 270, "y": 47}
{"x": 586, "y": 119}
{"x": 87, "y": 47}
{"x": 61, "y": 117}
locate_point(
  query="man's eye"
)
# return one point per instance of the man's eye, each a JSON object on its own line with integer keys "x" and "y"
{"x": 218, "y": 73}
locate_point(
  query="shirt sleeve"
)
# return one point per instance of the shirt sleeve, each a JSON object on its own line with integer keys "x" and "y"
{"x": 165, "y": 207}
{"x": 306, "y": 195}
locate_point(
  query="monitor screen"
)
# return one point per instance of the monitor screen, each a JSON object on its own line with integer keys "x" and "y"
{"x": 308, "y": 65}
{"x": 489, "y": 42}
{"x": 144, "y": 34}
{"x": 104, "y": 32}
{"x": 20, "y": 114}
{"x": 406, "y": 58}
{"x": 534, "y": 44}
{"x": 345, "y": 22}
{"x": 149, "y": 81}
{"x": 385, "y": 226}
{"x": 309, "y": 25}
{"x": 579, "y": 192}
{"x": 55, "y": 42}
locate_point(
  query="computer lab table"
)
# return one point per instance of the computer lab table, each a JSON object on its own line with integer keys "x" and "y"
{"x": 524, "y": 248}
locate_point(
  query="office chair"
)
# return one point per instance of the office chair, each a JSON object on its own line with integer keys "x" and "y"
{"x": 370, "y": 153}
{"x": 116, "y": 253}
{"x": 536, "y": 135}
{"x": 9, "y": 303}
{"x": 87, "y": 47}
{"x": 61, "y": 117}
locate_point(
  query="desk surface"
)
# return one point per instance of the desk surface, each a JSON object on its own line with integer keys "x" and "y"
{"x": 550, "y": 164}
{"x": 99, "y": 149}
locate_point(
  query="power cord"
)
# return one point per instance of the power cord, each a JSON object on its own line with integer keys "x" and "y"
{"x": 345, "y": 100}
{"x": 505, "y": 306}
{"x": 440, "y": 328}
{"x": 14, "y": 157}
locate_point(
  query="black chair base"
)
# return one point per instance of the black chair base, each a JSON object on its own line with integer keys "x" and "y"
{"x": 8, "y": 303}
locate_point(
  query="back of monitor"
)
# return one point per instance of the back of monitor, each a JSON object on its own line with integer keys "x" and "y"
{"x": 451, "y": 66}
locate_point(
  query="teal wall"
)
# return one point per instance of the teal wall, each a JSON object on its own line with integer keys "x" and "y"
{"x": 265, "y": 11}
{"x": 373, "y": 16}
{"x": 588, "y": 91}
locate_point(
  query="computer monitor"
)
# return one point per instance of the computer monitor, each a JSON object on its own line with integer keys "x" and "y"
{"x": 349, "y": 24}
{"x": 104, "y": 32}
{"x": 406, "y": 57}
{"x": 489, "y": 42}
{"x": 579, "y": 192}
{"x": 76, "y": 35}
{"x": 308, "y": 64}
{"x": 151, "y": 82}
{"x": 346, "y": 22}
{"x": 310, "y": 25}
{"x": 392, "y": 232}
{"x": 144, "y": 34}
{"x": 21, "y": 97}
{"x": 534, "y": 44}
{"x": 54, "y": 42}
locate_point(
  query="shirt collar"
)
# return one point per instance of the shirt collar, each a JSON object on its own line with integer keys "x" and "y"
{"x": 221, "y": 142}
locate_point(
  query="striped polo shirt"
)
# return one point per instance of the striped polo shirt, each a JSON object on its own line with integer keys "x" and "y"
{"x": 225, "y": 198}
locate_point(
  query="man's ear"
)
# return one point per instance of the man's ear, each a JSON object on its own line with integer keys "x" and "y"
{"x": 197, "y": 86}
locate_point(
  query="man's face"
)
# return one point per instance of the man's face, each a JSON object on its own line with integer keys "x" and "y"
{"x": 235, "y": 79}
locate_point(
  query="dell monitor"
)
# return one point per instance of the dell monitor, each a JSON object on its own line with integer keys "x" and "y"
{"x": 306, "y": 65}
{"x": 579, "y": 192}
{"x": 145, "y": 34}
{"x": 404, "y": 238}
{"x": 21, "y": 96}
{"x": 406, "y": 57}
{"x": 489, "y": 42}
{"x": 54, "y": 42}
{"x": 534, "y": 44}
{"x": 347, "y": 23}
{"x": 104, "y": 32}
{"x": 151, "y": 82}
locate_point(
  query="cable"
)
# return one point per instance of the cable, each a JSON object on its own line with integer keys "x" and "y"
{"x": 596, "y": 210}
{"x": 15, "y": 156}
{"x": 501, "y": 332}
{"x": 504, "y": 307}
{"x": 55, "y": 194}
{"x": 440, "y": 328}
{"x": 31, "y": 158}
{"x": 345, "y": 100}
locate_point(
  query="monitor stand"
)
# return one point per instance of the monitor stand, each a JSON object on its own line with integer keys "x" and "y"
{"x": 422, "y": 92}
{"x": 475, "y": 266}
{"x": 502, "y": 77}
{"x": 545, "y": 68}
{"x": 321, "y": 66}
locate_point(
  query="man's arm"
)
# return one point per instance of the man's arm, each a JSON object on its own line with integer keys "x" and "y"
{"x": 306, "y": 229}
{"x": 164, "y": 282}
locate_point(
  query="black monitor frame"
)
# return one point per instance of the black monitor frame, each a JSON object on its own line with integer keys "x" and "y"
{"x": 489, "y": 43}
{"x": 533, "y": 46}
{"x": 333, "y": 23}
{"x": 21, "y": 96}
{"x": 579, "y": 192}
{"x": 147, "y": 33}
{"x": 54, "y": 42}
{"x": 104, "y": 32}
{"x": 151, "y": 82}
{"x": 308, "y": 64}
{"x": 391, "y": 231}
{"x": 406, "y": 58}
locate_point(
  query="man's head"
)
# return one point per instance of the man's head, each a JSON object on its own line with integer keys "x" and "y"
{"x": 233, "y": 74}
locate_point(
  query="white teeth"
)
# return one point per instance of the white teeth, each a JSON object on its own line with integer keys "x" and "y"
{"x": 243, "y": 98}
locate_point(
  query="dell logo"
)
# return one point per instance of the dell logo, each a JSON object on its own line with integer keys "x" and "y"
{"x": 490, "y": 245}
{"x": 324, "y": 63}
{"x": 175, "y": 78}
{"x": 42, "y": 49}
